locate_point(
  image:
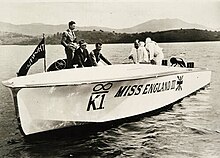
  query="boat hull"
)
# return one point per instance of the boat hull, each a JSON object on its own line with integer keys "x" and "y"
{"x": 45, "y": 108}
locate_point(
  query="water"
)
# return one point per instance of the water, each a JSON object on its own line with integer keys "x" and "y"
{"x": 190, "y": 129}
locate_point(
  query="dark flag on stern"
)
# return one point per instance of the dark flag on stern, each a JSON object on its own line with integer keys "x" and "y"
{"x": 38, "y": 53}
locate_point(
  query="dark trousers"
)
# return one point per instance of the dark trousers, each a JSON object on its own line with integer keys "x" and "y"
{"x": 69, "y": 56}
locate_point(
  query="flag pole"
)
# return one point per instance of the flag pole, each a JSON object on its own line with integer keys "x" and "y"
{"x": 45, "y": 62}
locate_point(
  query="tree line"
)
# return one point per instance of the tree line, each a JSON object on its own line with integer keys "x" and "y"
{"x": 180, "y": 35}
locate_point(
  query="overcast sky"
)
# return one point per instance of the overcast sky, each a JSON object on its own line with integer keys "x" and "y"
{"x": 109, "y": 13}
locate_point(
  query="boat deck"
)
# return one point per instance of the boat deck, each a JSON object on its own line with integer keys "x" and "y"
{"x": 95, "y": 74}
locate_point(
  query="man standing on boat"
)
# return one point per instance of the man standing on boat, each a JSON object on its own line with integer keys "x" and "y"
{"x": 69, "y": 42}
{"x": 96, "y": 56}
{"x": 81, "y": 57}
{"x": 155, "y": 52}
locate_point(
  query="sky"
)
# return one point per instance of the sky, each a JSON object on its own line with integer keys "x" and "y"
{"x": 108, "y": 13}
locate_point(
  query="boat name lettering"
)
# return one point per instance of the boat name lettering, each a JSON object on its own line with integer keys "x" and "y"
{"x": 130, "y": 90}
{"x": 97, "y": 97}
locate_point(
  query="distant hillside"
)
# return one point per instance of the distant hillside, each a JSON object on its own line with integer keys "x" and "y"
{"x": 36, "y": 29}
{"x": 12, "y": 38}
{"x": 162, "y": 25}
{"x": 152, "y": 25}
{"x": 180, "y": 35}
{"x": 32, "y": 29}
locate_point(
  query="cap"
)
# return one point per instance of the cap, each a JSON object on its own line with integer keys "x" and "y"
{"x": 148, "y": 40}
{"x": 71, "y": 23}
{"x": 82, "y": 42}
{"x": 136, "y": 41}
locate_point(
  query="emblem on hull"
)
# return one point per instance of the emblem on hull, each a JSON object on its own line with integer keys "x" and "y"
{"x": 97, "y": 97}
{"x": 179, "y": 83}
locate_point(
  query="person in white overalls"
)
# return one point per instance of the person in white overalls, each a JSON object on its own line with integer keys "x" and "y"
{"x": 155, "y": 52}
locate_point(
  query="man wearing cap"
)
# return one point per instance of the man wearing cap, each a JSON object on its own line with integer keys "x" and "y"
{"x": 69, "y": 42}
{"x": 82, "y": 58}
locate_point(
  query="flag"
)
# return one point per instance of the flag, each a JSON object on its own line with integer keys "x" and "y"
{"x": 38, "y": 53}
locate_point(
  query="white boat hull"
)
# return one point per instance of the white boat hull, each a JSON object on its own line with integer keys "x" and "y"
{"x": 45, "y": 107}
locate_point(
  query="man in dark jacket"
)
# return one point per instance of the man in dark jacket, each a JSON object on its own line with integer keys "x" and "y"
{"x": 81, "y": 57}
{"x": 69, "y": 42}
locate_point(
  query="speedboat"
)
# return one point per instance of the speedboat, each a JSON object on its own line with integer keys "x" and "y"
{"x": 93, "y": 95}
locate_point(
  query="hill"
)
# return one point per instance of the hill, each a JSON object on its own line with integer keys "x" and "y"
{"x": 162, "y": 25}
{"x": 152, "y": 25}
{"x": 13, "y": 38}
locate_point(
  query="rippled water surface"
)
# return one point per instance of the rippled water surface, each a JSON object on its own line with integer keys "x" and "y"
{"x": 190, "y": 129}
